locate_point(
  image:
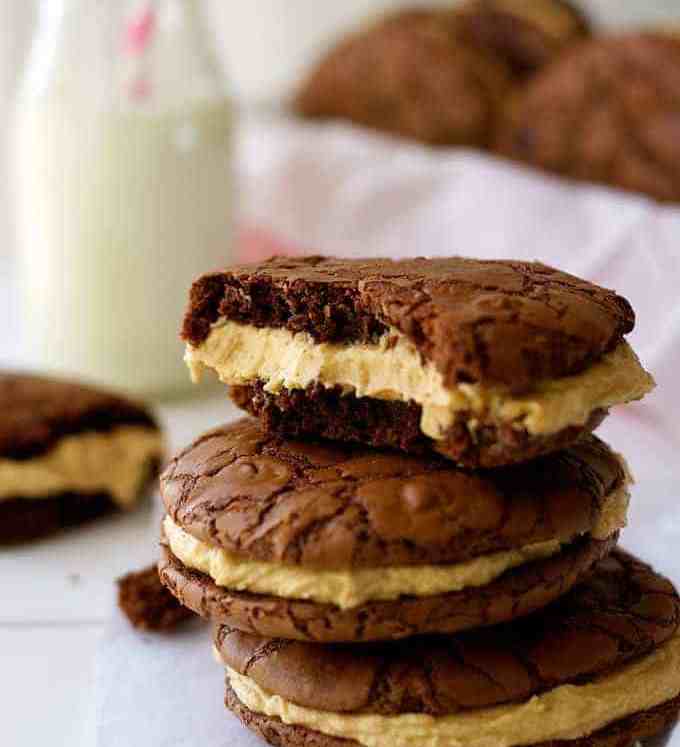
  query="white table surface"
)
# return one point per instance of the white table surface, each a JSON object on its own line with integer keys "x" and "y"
{"x": 57, "y": 595}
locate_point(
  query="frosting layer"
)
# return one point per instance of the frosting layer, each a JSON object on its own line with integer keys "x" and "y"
{"x": 564, "y": 713}
{"x": 112, "y": 462}
{"x": 351, "y": 588}
{"x": 392, "y": 369}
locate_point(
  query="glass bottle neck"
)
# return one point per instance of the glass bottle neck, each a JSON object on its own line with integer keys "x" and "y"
{"x": 131, "y": 54}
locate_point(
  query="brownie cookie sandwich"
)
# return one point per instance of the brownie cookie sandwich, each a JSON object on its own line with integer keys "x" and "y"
{"x": 412, "y": 74}
{"x": 606, "y": 112}
{"x": 486, "y": 362}
{"x": 601, "y": 667}
{"x": 69, "y": 453}
{"x": 328, "y": 542}
{"x": 527, "y": 34}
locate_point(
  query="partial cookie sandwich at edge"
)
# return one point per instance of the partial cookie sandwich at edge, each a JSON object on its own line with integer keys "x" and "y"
{"x": 329, "y": 542}
{"x": 69, "y": 453}
{"x": 599, "y": 667}
{"x": 488, "y": 362}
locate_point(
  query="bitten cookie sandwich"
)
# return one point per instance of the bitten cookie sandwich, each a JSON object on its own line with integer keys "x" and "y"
{"x": 526, "y": 34}
{"x": 607, "y": 112}
{"x": 487, "y": 362}
{"x": 69, "y": 453}
{"x": 328, "y": 542}
{"x": 601, "y": 667}
{"x": 411, "y": 74}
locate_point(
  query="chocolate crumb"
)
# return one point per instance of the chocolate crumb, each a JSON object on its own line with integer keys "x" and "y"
{"x": 147, "y": 604}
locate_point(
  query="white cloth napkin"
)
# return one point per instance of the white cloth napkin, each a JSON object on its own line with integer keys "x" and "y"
{"x": 163, "y": 691}
{"x": 334, "y": 189}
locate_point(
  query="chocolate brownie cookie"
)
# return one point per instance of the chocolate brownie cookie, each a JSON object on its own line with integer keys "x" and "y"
{"x": 413, "y": 74}
{"x": 600, "y": 667}
{"x": 329, "y": 542}
{"x": 527, "y": 34}
{"x": 69, "y": 453}
{"x": 607, "y": 112}
{"x": 488, "y": 362}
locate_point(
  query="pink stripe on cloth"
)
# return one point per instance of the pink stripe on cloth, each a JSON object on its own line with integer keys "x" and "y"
{"x": 254, "y": 244}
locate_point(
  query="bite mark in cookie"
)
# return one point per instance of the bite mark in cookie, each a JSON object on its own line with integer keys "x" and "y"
{"x": 392, "y": 369}
{"x": 331, "y": 414}
{"x": 488, "y": 348}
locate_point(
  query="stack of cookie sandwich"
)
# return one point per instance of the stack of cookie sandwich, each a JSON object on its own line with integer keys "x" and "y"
{"x": 413, "y": 542}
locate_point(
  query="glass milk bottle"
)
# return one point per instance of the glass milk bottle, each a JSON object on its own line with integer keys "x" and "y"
{"x": 122, "y": 152}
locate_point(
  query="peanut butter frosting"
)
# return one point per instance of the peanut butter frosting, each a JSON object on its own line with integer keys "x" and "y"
{"x": 566, "y": 712}
{"x": 351, "y": 588}
{"x": 113, "y": 462}
{"x": 393, "y": 369}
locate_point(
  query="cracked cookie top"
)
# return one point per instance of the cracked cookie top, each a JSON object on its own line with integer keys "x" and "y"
{"x": 623, "y": 611}
{"x": 329, "y": 505}
{"x": 502, "y": 323}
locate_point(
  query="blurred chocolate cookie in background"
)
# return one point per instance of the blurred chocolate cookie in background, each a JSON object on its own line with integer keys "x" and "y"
{"x": 70, "y": 453}
{"x": 608, "y": 112}
{"x": 412, "y": 74}
{"x": 526, "y": 34}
